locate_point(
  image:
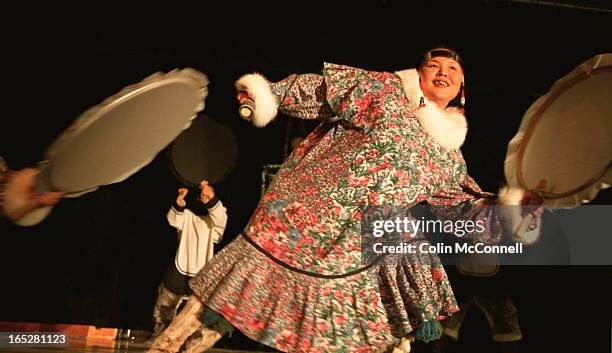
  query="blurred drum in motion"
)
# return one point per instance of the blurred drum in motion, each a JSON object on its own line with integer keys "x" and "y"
{"x": 116, "y": 138}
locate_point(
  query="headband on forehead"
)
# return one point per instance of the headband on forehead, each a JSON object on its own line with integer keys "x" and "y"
{"x": 444, "y": 53}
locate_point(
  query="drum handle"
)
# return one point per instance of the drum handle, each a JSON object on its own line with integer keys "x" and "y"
{"x": 43, "y": 179}
{"x": 246, "y": 109}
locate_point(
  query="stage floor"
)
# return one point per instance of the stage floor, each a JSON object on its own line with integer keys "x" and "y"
{"x": 102, "y": 346}
{"x": 87, "y": 338}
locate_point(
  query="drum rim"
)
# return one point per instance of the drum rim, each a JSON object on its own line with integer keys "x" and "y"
{"x": 532, "y": 126}
{"x": 186, "y": 76}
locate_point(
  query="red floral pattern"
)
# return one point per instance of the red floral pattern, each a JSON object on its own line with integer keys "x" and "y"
{"x": 290, "y": 311}
{"x": 369, "y": 150}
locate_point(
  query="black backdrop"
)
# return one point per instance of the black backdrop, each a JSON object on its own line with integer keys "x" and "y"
{"x": 97, "y": 259}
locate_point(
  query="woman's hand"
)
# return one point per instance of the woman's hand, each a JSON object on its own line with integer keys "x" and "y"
{"x": 534, "y": 198}
{"x": 243, "y": 96}
{"x": 531, "y": 203}
{"x": 247, "y": 105}
{"x": 22, "y": 197}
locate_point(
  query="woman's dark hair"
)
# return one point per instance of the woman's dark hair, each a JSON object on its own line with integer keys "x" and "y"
{"x": 441, "y": 51}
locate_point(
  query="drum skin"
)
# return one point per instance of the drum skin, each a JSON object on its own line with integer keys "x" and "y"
{"x": 114, "y": 139}
{"x": 565, "y": 138}
{"x": 206, "y": 151}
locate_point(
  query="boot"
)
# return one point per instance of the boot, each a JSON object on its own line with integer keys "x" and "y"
{"x": 164, "y": 310}
{"x": 203, "y": 339}
{"x": 183, "y": 326}
{"x": 405, "y": 345}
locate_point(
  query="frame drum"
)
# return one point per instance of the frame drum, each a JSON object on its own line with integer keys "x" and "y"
{"x": 114, "y": 139}
{"x": 565, "y": 138}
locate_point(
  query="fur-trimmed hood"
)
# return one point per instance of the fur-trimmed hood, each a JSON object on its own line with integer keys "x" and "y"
{"x": 448, "y": 127}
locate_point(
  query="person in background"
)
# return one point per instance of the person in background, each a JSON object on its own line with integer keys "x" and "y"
{"x": 196, "y": 236}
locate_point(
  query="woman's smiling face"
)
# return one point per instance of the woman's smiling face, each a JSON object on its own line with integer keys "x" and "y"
{"x": 441, "y": 80}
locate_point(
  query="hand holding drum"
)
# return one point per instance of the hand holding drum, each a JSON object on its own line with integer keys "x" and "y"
{"x": 247, "y": 105}
{"x": 138, "y": 121}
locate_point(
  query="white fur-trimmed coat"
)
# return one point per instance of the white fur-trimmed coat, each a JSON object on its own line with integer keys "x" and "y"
{"x": 373, "y": 149}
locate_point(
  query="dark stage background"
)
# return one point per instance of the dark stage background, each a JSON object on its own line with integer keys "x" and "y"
{"x": 98, "y": 259}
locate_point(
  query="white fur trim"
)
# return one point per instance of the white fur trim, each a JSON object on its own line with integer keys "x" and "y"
{"x": 510, "y": 195}
{"x": 448, "y": 127}
{"x": 410, "y": 83}
{"x": 515, "y": 225}
{"x": 259, "y": 89}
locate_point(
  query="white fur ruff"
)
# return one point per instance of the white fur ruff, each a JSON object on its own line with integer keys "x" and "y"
{"x": 510, "y": 195}
{"x": 515, "y": 225}
{"x": 447, "y": 126}
{"x": 259, "y": 89}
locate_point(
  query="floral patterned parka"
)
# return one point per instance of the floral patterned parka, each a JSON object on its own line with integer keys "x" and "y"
{"x": 295, "y": 279}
